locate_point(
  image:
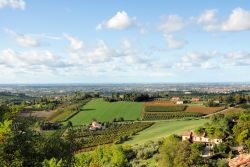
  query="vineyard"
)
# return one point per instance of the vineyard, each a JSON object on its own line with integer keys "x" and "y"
{"x": 163, "y": 110}
{"x": 203, "y": 109}
{"x": 159, "y": 103}
{"x": 173, "y": 108}
{"x": 169, "y": 115}
{"x": 116, "y": 133}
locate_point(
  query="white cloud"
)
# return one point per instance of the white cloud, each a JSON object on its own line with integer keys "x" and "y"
{"x": 23, "y": 40}
{"x": 238, "y": 20}
{"x": 75, "y": 44}
{"x": 119, "y": 21}
{"x": 15, "y": 4}
{"x": 196, "y": 59}
{"x": 212, "y": 60}
{"x": 207, "y": 17}
{"x": 126, "y": 44}
{"x": 237, "y": 58}
{"x": 209, "y": 65}
{"x": 173, "y": 43}
{"x": 171, "y": 23}
{"x": 100, "y": 53}
{"x": 132, "y": 59}
{"x": 30, "y": 59}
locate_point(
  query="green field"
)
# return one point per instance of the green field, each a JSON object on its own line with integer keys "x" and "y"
{"x": 164, "y": 128}
{"x": 106, "y": 111}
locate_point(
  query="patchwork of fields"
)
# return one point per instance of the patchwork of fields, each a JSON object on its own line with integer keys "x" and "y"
{"x": 167, "y": 110}
{"x": 105, "y": 111}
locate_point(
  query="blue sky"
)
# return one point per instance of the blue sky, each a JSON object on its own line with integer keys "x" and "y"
{"x": 124, "y": 41}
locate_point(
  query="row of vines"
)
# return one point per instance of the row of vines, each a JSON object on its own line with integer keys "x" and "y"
{"x": 116, "y": 133}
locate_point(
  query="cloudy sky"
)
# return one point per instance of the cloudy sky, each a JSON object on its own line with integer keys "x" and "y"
{"x": 93, "y": 41}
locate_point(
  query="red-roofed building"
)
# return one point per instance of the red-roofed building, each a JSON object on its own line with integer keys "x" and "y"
{"x": 195, "y": 99}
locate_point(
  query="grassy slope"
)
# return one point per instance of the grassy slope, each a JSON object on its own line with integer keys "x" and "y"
{"x": 105, "y": 111}
{"x": 164, "y": 128}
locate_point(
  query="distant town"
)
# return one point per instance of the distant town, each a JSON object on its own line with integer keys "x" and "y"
{"x": 107, "y": 89}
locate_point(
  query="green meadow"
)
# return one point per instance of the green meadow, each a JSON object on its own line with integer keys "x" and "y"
{"x": 106, "y": 111}
{"x": 163, "y": 129}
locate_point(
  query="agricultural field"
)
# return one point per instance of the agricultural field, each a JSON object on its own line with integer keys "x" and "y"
{"x": 163, "y": 129}
{"x": 203, "y": 109}
{"x": 40, "y": 114}
{"x": 106, "y": 111}
{"x": 150, "y": 116}
{"x": 159, "y": 103}
{"x": 234, "y": 110}
{"x": 113, "y": 133}
{"x": 167, "y": 110}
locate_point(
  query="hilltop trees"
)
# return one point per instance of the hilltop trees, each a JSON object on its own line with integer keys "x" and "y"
{"x": 136, "y": 97}
{"x": 24, "y": 146}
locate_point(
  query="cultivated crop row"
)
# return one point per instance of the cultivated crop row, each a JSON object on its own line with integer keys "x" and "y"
{"x": 173, "y": 108}
{"x": 169, "y": 115}
{"x": 116, "y": 133}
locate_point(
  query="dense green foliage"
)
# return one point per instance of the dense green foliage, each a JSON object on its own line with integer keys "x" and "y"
{"x": 120, "y": 156}
{"x": 233, "y": 128}
{"x": 26, "y": 147}
{"x": 174, "y": 108}
{"x": 105, "y": 111}
{"x": 177, "y": 153}
{"x": 114, "y": 156}
{"x": 135, "y": 97}
{"x": 169, "y": 115}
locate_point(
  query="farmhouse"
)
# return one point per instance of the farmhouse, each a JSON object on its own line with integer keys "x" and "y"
{"x": 179, "y": 102}
{"x": 175, "y": 99}
{"x": 195, "y": 99}
{"x": 209, "y": 143}
{"x": 95, "y": 126}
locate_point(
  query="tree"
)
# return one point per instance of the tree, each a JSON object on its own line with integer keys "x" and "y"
{"x": 4, "y": 112}
{"x": 5, "y": 129}
{"x": 119, "y": 158}
{"x": 222, "y": 163}
{"x": 168, "y": 150}
{"x": 242, "y": 130}
{"x": 52, "y": 163}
